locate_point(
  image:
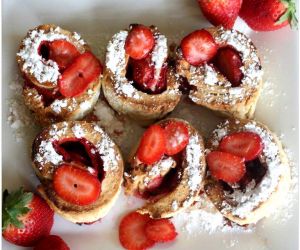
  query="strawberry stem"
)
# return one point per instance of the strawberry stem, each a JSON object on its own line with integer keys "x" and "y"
{"x": 290, "y": 14}
{"x": 15, "y": 205}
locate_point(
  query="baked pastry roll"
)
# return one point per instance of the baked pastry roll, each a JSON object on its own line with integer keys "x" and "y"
{"x": 167, "y": 169}
{"x": 248, "y": 173}
{"x": 80, "y": 169}
{"x": 145, "y": 88}
{"x": 230, "y": 80}
{"x": 62, "y": 76}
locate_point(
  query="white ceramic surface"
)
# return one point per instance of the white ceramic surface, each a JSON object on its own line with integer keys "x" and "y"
{"x": 96, "y": 21}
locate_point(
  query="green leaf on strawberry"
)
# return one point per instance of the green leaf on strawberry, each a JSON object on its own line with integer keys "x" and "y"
{"x": 14, "y": 205}
{"x": 290, "y": 14}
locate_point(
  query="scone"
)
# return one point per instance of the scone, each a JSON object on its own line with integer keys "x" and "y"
{"x": 248, "y": 173}
{"x": 138, "y": 81}
{"x": 167, "y": 169}
{"x": 80, "y": 169}
{"x": 226, "y": 76}
{"x": 62, "y": 76}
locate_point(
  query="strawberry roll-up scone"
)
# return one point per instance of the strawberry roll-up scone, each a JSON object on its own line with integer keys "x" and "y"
{"x": 249, "y": 173}
{"x": 62, "y": 76}
{"x": 223, "y": 70}
{"x": 80, "y": 169}
{"x": 167, "y": 169}
{"x": 138, "y": 79}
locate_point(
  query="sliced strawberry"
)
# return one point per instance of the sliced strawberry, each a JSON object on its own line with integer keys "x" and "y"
{"x": 132, "y": 232}
{"x": 139, "y": 42}
{"x": 161, "y": 230}
{"x": 63, "y": 53}
{"x": 244, "y": 144}
{"x": 143, "y": 75}
{"x": 152, "y": 145}
{"x": 142, "y": 71}
{"x": 155, "y": 183}
{"x": 76, "y": 185}
{"x": 158, "y": 84}
{"x": 177, "y": 137}
{"x": 198, "y": 47}
{"x": 229, "y": 62}
{"x": 226, "y": 166}
{"x": 77, "y": 77}
{"x": 51, "y": 242}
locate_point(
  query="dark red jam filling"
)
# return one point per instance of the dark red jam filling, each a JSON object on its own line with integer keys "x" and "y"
{"x": 80, "y": 151}
{"x": 255, "y": 170}
{"x": 43, "y": 50}
{"x": 146, "y": 82}
{"x": 228, "y": 62}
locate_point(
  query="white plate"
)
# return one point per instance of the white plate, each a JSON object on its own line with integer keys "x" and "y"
{"x": 96, "y": 21}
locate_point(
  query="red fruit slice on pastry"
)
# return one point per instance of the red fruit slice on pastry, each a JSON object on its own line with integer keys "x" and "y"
{"x": 161, "y": 230}
{"x": 77, "y": 77}
{"x": 76, "y": 185}
{"x": 63, "y": 53}
{"x": 177, "y": 137}
{"x": 139, "y": 42}
{"x": 51, "y": 242}
{"x": 244, "y": 144}
{"x": 229, "y": 63}
{"x": 132, "y": 232}
{"x": 152, "y": 145}
{"x": 198, "y": 47}
{"x": 143, "y": 75}
{"x": 225, "y": 166}
{"x": 142, "y": 71}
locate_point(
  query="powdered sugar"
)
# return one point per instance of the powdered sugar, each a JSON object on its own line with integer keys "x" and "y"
{"x": 78, "y": 131}
{"x": 106, "y": 149}
{"x": 194, "y": 166}
{"x": 203, "y": 217}
{"x": 47, "y": 154}
{"x": 19, "y": 117}
{"x": 43, "y": 70}
{"x": 159, "y": 53}
{"x": 116, "y": 63}
{"x": 163, "y": 165}
{"x": 58, "y": 104}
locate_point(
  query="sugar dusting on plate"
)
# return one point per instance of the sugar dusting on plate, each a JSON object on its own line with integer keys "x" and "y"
{"x": 19, "y": 117}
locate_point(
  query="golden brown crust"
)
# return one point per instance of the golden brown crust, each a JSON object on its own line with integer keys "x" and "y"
{"x": 179, "y": 198}
{"x": 146, "y": 108}
{"x": 224, "y": 203}
{"x": 110, "y": 187}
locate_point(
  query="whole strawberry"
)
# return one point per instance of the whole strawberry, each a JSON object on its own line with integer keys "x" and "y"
{"x": 221, "y": 12}
{"x": 25, "y": 217}
{"x": 51, "y": 242}
{"x": 268, "y": 15}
